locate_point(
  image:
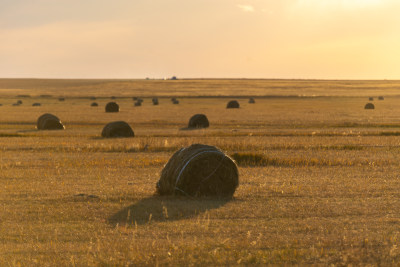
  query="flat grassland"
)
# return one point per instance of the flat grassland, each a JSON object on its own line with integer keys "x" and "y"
{"x": 319, "y": 174}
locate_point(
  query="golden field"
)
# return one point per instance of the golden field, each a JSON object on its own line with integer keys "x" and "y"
{"x": 326, "y": 190}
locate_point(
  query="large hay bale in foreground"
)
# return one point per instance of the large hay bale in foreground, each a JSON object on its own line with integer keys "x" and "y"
{"x": 117, "y": 129}
{"x": 198, "y": 121}
{"x": 112, "y": 107}
{"x": 369, "y": 106}
{"x": 199, "y": 170}
{"x": 233, "y": 104}
{"x": 49, "y": 122}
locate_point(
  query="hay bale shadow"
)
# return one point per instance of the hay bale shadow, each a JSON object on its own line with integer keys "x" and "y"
{"x": 164, "y": 209}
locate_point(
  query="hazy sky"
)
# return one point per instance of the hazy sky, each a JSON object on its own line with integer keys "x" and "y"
{"x": 340, "y": 39}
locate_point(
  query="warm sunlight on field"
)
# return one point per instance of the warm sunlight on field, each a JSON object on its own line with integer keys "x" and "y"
{"x": 318, "y": 176}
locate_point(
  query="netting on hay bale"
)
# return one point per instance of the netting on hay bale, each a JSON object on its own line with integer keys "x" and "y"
{"x": 199, "y": 170}
{"x": 112, "y": 107}
{"x": 369, "y": 106}
{"x": 233, "y": 104}
{"x": 49, "y": 121}
{"x": 117, "y": 129}
{"x": 198, "y": 121}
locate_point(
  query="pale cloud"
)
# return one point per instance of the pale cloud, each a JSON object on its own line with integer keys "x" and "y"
{"x": 246, "y": 8}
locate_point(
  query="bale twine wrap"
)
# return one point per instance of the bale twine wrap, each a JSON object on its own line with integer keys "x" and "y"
{"x": 112, "y": 107}
{"x": 49, "y": 121}
{"x": 117, "y": 129}
{"x": 369, "y": 106}
{"x": 199, "y": 170}
{"x": 233, "y": 104}
{"x": 198, "y": 121}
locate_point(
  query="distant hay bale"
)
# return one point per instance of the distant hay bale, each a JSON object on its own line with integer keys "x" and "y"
{"x": 19, "y": 102}
{"x": 117, "y": 129}
{"x": 233, "y": 104}
{"x": 92, "y": 98}
{"x": 36, "y": 105}
{"x": 199, "y": 170}
{"x": 198, "y": 121}
{"x": 134, "y": 98}
{"x": 94, "y": 104}
{"x": 138, "y": 103}
{"x": 252, "y": 101}
{"x": 61, "y": 99}
{"x": 175, "y": 102}
{"x": 113, "y": 97}
{"x": 49, "y": 122}
{"x": 381, "y": 98}
{"x": 140, "y": 100}
{"x": 1, "y": 105}
{"x": 371, "y": 99}
{"x": 369, "y": 106}
{"x": 112, "y": 107}
{"x": 173, "y": 99}
{"x": 155, "y": 101}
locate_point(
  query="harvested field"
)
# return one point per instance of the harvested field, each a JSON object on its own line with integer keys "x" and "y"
{"x": 318, "y": 176}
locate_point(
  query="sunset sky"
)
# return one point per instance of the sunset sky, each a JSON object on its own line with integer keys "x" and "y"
{"x": 320, "y": 39}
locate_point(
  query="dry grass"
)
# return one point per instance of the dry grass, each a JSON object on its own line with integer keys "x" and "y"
{"x": 318, "y": 176}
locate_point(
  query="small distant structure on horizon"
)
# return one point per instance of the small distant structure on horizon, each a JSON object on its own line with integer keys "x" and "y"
{"x": 174, "y": 78}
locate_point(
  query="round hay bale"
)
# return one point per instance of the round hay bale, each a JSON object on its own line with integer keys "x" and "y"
{"x": 138, "y": 103}
{"x": 1, "y": 105}
{"x": 49, "y": 122}
{"x": 61, "y": 99}
{"x": 252, "y": 101}
{"x": 371, "y": 99}
{"x": 199, "y": 170}
{"x": 173, "y": 99}
{"x": 155, "y": 101}
{"x": 19, "y": 102}
{"x": 140, "y": 100}
{"x": 113, "y": 97}
{"x": 233, "y": 104}
{"x": 117, "y": 129}
{"x": 198, "y": 121}
{"x": 92, "y": 98}
{"x": 369, "y": 106}
{"x": 112, "y": 107}
{"x": 94, "y": 104}
{"x": 381, "y": 98}
{"x": 36, "y": 105}
{"x": 175, "y": 102}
